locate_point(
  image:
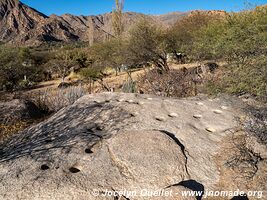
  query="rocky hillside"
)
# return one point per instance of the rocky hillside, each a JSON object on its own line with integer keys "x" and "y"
{"x": 129, "y": 142}
{"x": 17, "y": 21}
{"x": 21, "y": 24}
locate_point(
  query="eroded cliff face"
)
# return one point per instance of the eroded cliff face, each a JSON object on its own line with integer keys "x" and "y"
{"x": 116, "y": 142}
{"x": 17, "y": 20}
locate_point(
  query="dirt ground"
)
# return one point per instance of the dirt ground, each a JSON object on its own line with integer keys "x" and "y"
{"x": 112, "y": 81}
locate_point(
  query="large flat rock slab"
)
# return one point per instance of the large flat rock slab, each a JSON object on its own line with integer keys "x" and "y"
{"x": 116, "y": 142}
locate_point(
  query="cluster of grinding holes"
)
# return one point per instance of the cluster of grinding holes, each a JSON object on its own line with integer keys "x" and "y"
{"x": 209, "y": 129}
{"x": 75, "y": 169}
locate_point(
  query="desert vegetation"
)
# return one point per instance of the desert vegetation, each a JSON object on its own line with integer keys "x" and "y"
{"x": 237, "y": 39}
{"x": 225, "y": 53}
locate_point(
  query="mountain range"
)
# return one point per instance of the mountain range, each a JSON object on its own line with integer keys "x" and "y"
{"x": 21, "y": 24}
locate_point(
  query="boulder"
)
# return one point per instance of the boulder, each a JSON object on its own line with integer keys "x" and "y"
{"x": 18, "y": 110}
{"x": 112, "y": 146}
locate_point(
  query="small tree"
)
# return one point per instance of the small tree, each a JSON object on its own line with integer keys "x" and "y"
{"x": 91, "y": 74}
{"x": 109, "y": 54}
{"x": 181, "y": 36}
{"x": 62, "y": 63}
{"x": 147, "y": 44}
{"x": 12, "y": 69}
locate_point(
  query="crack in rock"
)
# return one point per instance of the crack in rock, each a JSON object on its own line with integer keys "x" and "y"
{"x": 123, "y": 168}
{"x": 177, "y": 141}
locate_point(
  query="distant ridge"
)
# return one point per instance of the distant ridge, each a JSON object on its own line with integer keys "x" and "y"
{"x": 23, "y": 25}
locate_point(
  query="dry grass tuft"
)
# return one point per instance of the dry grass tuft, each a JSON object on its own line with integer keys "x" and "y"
{"x": 7, "y": 130}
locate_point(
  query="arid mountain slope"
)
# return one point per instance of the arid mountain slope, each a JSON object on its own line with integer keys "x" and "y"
{"x": 16, "y": 19}
{"x": 20, "y": 24}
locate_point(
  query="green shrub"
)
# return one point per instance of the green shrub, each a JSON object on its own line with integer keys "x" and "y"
{"x": 90, "y": 73}
{"x": 18, "y": 68}
{"x": 241, "y": 40}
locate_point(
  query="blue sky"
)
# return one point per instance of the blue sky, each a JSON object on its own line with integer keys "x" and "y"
{"x": 93, "y": 7}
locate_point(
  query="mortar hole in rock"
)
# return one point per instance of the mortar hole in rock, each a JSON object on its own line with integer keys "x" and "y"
{"x": 74, "y": 170}
{"x": 48, "y": 140}
{"x": 99, "y": 128}
{"x": 44, "y": 167}
{"x": 88, "y": 150}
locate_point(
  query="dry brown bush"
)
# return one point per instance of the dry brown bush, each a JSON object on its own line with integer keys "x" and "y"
{"x": 52, "y": 100}
{"x": 174, "y": 83}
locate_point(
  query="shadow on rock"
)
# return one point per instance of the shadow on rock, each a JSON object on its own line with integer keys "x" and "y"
{"x": 240, "y": 198}
{"x": 74, "y": 125}
{"x": 194, "y": 186}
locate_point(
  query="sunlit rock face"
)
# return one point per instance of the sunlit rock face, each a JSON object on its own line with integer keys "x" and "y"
{"x": 129, "y": 142}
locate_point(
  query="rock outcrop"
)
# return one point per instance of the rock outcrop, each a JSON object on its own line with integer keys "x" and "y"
{"x": 18, "y": 20}
{"x": 130, "y": 142}
{"x": 18, "y": 110}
